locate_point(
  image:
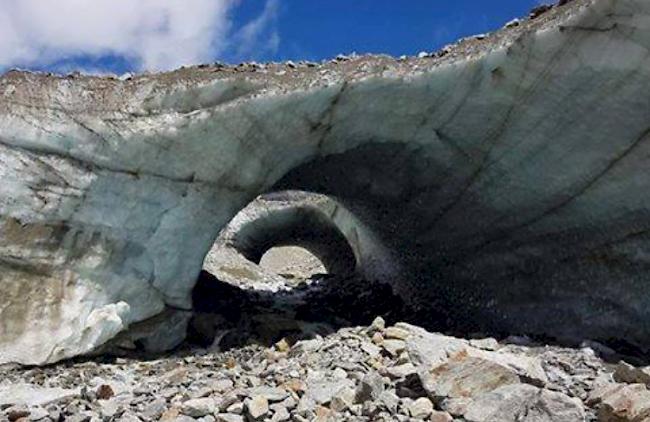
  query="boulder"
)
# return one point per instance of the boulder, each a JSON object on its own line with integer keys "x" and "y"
{"x": 465, "y": 376}
{"x": 622, "y": 403}
{"x": 524, "y": 403}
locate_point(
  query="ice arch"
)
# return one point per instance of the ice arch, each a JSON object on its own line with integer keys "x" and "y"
{"x": 318, "y": 223}
{"x": 507, "y": 176}
{"x": 298, "y": 226}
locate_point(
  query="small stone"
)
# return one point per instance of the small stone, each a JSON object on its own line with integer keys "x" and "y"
{"x": 127, "y": 417}
{"x": 394, "y": 347}
{"x": 421, "y": 408}
{"x": 438, "y": 416}
{"x": 343, "y": 399}
{"x": 371, "y": 349}
{"x": 272, "y": 394}
{"x": 513, "y": 23}
{"x": 257, "y": 407}
{"x": 323, "y": 414}
{"x": 295, "y": 385}
{"x": 104, "y": 392}
{"x": 283, "y": 345}
{"x": 622, "y": 402}
{"x": 15, "y": 414}
{"x": 236, "y": 408}
{"x": 155, "y": 409}
{"x": 339, "y": 373}
{"x": 229, "y": 417}
{"x": 370, "y": 387}
{"x": 626, "y": 373}
{"x": 198, "y": 407}
{"x": 38, "y": 413}
{"x": 222, "y": 385}
{"x": 396, "y": 333}
{"x": 378, "y": 324}
{"x": 485, "y": 343}
{"x": 377, "y": 338}
{"x": 539, "y": 11}
{"x": 400, "y": 371}
{"x": 111, "y": 408}
{"x": 389, "y": 400}
{"x": 170, "y": 414}
{"x": 202, "y": 392}
{"x": 280, "y": 414}
{"x": 176, "y": 376}
{"x": 456, "y": 406}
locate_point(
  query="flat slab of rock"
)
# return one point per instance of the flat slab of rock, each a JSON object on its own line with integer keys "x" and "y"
{"x": 465, "y": 376}
{"x": 30, "y": 395}
{"x": 524, "y": 403}
{"x": 622, "y": 403}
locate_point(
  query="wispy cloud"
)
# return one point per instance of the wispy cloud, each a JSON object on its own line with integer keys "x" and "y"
{"x": 259, "y": 37}
{"x": 149, "y": 34}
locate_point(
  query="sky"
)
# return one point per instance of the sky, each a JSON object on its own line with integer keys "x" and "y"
{"x": 119, "y": 36}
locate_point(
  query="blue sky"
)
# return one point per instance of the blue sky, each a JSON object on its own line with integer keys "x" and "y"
{"x": 321, "y": 29}
{"x": 133, "y": 35}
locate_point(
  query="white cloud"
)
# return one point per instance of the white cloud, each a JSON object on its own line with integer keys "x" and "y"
{"x": 259, "y": 36}
{"x": 154, "y": 34}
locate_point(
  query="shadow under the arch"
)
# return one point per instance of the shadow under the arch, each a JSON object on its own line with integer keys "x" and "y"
{"x": 227, "y": 316}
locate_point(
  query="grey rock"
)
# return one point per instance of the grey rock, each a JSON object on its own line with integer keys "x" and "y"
{"x": 198, "y": 407}
{"x": 626, "y": 373}
{"x": 184, "y": 418}
{"x": 257, "y": 407}
{"x": 622, "y": 402}
{"x": 229, "y": 417}
{"x": 235, "y": 408}
{"x": 465, "y": 376}
{"x": 31, "y": 395}
{"x": 438, "y": 416}
{"x": 322, "y": 391}
{"x": 421, "y": 408}
{"x": 389, "y": 401}
{"x": 222, "y": 385}
{"x": 153, "y": 410}
{"x": 396, "y": 333}
{"x": 272, "y": 394}
{"x": 370, "y": 388}
{"x": 343, "y": 399}
{"x": 371, "y": 349}
{"x": 428, "y": 349}
{"x": 490, "y": 344}
{"x": 400, "y": 371}
{"x": 280, "y": 414}
{"x": 524, "y": 403}
{"x": 528, "y": 368}
{"x": 38, "y": 413}
{"x": 394, "y": 347}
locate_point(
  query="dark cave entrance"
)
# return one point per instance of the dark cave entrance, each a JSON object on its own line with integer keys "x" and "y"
{"x": 287, "y": 266}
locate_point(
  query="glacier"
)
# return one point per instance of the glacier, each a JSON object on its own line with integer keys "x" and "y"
{"x": 506, "y": 177}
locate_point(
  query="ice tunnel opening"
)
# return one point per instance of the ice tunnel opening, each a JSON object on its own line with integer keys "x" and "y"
{"x": 291, "y": 264}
